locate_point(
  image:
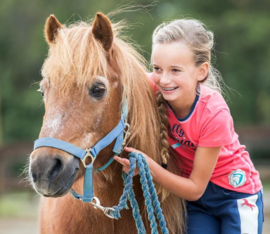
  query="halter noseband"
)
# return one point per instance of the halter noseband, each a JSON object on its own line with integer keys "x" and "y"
{"x": 117, "y": 133}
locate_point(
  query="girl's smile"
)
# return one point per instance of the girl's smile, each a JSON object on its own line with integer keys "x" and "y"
{"x": 168, "y": 89}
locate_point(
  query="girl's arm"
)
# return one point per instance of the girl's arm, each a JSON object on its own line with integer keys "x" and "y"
{"x": 191, "y": 188}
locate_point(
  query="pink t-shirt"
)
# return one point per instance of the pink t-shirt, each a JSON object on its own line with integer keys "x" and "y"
{"x": 209, "y": 124}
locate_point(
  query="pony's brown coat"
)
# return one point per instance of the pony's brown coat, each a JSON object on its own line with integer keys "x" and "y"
{"x": 76, "y": 58}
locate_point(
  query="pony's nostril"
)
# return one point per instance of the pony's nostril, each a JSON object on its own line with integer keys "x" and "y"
{"x": 57, "y": 167}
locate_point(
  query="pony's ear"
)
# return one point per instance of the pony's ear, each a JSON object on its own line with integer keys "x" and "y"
{"x": 51, "y": 28}
{"x": 102, "y": 31}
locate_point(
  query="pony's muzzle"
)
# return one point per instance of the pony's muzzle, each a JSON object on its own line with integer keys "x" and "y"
{"x": 52, "y": 175}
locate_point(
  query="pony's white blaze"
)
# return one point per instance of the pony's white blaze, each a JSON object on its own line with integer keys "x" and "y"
{"x": 53, "y": 124}
{"x": 87, "y": 140}
{"x": 55, "y": 120}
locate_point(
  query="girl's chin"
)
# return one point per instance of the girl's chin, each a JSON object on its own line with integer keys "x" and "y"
{"x": 170, "y": 98}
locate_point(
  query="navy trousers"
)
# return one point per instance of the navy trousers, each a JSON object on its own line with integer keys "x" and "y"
{"x": 223, "y": 211}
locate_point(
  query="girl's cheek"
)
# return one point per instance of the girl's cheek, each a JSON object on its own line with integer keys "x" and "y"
{"x": 155, "y": 78}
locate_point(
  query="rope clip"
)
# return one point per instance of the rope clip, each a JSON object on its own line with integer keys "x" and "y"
{"x": 106, "y": 210}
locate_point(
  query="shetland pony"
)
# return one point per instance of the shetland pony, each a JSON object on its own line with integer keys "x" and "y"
{"x": 89, "y": 71}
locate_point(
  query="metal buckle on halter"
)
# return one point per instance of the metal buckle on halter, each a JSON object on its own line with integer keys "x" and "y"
{"x": 88, "y": 154}
{"x": 127, "y": 133}
{"x": 106, "y": 210}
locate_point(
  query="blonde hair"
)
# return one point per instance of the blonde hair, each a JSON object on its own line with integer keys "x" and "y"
{"x": 198, "y": 38}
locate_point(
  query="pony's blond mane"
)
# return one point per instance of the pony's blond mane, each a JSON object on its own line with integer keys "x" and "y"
{"x": 77, "y": 56}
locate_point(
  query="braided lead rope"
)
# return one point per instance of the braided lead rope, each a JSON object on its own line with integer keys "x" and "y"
{"x": 128, "y": 193}
{"x": 127, "y": 187}
{"x": 154, "y": 197}
{"x": 135, "y": 209}
{"x": 149, "y": 193}
{"x": 147, "y": 197}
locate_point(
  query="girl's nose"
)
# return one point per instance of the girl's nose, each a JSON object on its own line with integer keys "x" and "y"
{"x": 164, "y": 79}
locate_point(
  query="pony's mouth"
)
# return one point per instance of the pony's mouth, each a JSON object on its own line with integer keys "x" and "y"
{"x": 64, "y": 189}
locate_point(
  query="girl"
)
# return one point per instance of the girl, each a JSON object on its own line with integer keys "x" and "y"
{"x": 222, "y": 188}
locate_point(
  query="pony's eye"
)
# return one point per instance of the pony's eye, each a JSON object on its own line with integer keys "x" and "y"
{"x": 41, "y": 91}
{"x": 97, "y": 90}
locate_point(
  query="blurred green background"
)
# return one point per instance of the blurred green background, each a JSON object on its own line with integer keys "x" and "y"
{"x": 242, "y": 55}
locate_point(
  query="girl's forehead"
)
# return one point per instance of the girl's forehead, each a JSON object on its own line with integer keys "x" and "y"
{"x": 174, "y": 53}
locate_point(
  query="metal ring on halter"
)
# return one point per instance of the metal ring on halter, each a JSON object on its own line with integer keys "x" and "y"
{"x": 127, "y": 133}
{"x": 127, "y": 125}
{"x": 88, "y": 154}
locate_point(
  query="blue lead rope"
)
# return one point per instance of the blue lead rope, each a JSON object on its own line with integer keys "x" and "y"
{"x": 150, "y": 196}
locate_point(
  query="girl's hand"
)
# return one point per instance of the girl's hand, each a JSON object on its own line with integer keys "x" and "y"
{"x": 125, "y": 162}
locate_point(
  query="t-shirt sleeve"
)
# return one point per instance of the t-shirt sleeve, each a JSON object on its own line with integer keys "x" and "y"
{"x": 217, "y": 131}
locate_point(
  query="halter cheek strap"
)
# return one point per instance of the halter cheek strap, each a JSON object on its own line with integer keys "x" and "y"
{"x": 117, "y": 133}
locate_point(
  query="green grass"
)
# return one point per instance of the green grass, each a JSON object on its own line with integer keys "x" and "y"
{"x": 18, "y": 205}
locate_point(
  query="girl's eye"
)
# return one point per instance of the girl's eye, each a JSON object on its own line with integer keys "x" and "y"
{"x": 97, "y": 90}
{"x": 176, "y": 70}
{"x": 156, "y": 68}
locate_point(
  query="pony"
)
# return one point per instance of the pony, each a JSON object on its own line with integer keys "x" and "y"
{"x": 88, "y": 73}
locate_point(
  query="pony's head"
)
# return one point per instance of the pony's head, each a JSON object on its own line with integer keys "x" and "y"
{"x": 87, "y": 74}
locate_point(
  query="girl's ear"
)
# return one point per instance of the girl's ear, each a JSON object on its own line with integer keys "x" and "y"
{"x": 51, "y": 29}
{"x": 203, "y": 71}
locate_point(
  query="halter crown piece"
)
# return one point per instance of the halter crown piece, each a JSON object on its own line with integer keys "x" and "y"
{"x": 117, "y": 133}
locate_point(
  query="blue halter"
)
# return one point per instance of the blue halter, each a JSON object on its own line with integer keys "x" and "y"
{"x": 117, "y": 133}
